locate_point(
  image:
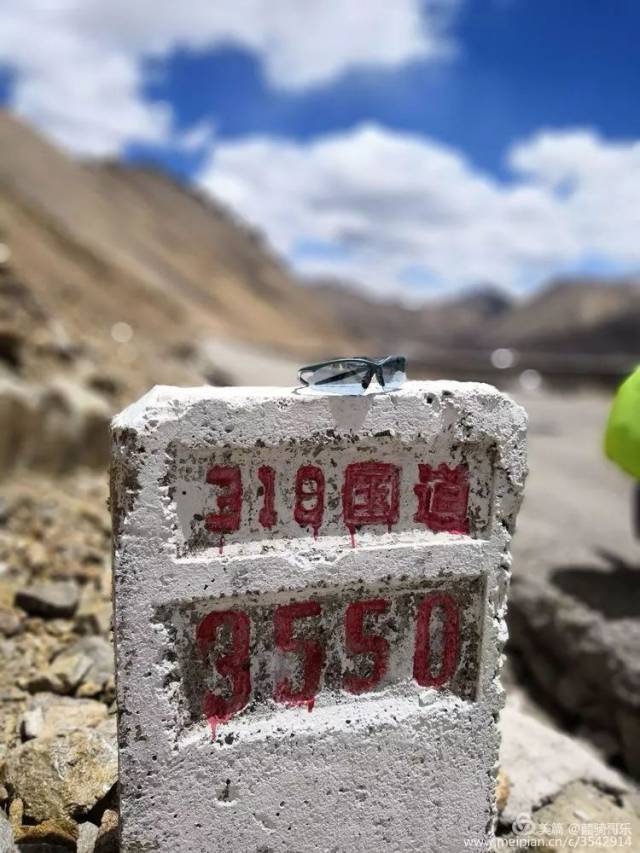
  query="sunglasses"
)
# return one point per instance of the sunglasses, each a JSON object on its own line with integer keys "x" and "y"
{"x": 354, "y": 375}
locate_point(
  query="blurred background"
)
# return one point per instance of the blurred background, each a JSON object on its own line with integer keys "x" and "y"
{"x": 220, "y": 192}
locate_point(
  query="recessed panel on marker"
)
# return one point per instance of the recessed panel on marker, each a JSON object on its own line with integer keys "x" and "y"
{"x": 243, "y": 656}
{"x": 228, "y": 498}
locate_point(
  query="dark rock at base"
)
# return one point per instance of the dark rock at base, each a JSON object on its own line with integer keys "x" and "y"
{"x": 50, "y": 599}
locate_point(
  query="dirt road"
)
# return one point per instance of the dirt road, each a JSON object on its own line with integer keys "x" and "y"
{"x": 577, "y": 504}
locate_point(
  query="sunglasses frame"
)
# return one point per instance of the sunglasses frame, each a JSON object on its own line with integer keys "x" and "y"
{"x": 374, "y": 367}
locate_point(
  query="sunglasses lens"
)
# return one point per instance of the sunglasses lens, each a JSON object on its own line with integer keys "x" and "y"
{"x": 338, "y": 377}
{"x": 394, "y": 373}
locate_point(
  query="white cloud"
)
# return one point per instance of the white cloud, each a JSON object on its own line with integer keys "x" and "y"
{"x": 77, "y": 64}
{"x": 198, "y": 137}
{"x": 596, "y": 184}
{"x": 385, "y": 208}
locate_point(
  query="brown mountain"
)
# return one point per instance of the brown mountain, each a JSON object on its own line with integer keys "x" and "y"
{"x": 98, "y": 244}
{"x": 589, "y": 316}
{"x": 391, "y": 326}
{"x": 571, "y": 316}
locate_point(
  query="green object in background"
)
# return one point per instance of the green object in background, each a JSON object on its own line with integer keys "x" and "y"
{"x": 622, "y": 435}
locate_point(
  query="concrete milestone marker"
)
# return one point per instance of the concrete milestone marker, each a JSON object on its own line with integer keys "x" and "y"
{"x": 310, "y": 596}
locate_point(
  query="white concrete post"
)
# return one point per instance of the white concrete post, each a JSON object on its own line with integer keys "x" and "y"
{"x": 310, "y": 596}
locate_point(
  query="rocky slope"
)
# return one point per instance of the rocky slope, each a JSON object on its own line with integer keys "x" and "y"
{"x": 99, "y": 244}
{"x": 58, "y": 749}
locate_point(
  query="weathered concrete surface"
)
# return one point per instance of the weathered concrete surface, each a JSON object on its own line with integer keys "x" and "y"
{"x": 349, "y": 753}
{"x": 574, "y": 612}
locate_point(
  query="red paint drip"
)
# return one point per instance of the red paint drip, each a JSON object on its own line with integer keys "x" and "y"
{"x": 221, "y": 545}
{"x": 214, "y": 722}
{"x": 352, "y": 534}
{"x": 300, "y": 703}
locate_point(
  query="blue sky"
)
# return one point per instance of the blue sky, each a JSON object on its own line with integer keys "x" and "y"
{"x": 416, "y": 147}
{"x": 523, "y": 65}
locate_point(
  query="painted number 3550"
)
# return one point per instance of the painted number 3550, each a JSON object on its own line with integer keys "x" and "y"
{"x": 430, "y": 669}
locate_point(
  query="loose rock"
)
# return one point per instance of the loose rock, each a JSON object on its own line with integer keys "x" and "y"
{"x": 18, "y": 417}
{"x": 579, "y": 634}
{"x": 49, "y": 599}
{"x": 63, "y": 675}
{"x": 540, "y": 761}
{"x": 587, "y": 815}
{"x": 32, "y": 723}
{"x": 99, "y": 653}
{"x": 502, "y": 791}
{"x": 65, "y": 776}
{"x": 10, "y": 621}
{"x": 93, "y": 618}
{"x": 49, "y": 715}
{"x": 87, "y": 834}
{"x": 59, "y": 834}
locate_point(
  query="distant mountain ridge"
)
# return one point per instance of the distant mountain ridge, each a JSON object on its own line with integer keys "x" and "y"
{"x": 586, "y": 316}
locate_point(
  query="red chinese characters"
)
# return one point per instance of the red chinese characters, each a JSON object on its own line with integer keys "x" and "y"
{"x": 443, "y": 498}
{"x": 371, "y": 494}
